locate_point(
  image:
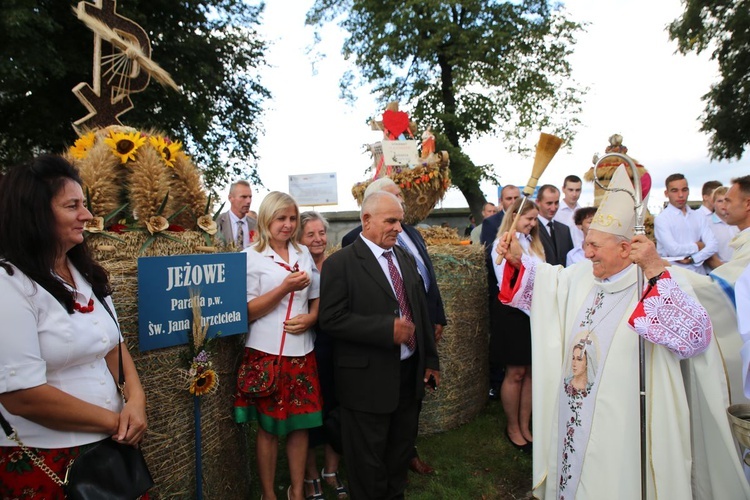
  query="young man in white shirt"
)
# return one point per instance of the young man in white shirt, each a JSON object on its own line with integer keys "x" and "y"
{"x": 571, "y": 191}
{"x": 683, "y": 235}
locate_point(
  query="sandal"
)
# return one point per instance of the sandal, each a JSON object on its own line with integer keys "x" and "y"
{"x": 317, "y": 493}
{"x": 341, "y": 491}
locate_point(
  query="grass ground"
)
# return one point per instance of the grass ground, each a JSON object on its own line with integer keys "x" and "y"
{"x": 474, "y": 461}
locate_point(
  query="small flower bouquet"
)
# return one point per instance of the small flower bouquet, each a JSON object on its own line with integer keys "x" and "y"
{"x": 201, "y": 378}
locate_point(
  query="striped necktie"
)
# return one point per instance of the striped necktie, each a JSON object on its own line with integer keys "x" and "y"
{"x": 241, "y": 234}
{"x": 403, "y": 300}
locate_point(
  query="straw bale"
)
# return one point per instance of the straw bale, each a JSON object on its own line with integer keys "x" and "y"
{"x": 463, "y": 350}
{"x": 169, "y": 445}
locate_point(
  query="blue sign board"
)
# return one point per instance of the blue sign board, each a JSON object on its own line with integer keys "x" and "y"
{"x": 165, "y": 306}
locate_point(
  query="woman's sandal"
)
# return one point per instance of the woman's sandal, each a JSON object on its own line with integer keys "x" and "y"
{"x": 317, "y": 493}
{"x": 341, "y": 491}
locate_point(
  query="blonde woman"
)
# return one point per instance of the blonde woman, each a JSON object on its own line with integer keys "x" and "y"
{"x": 279, "y": 270}
{"x": 513, "y": 348}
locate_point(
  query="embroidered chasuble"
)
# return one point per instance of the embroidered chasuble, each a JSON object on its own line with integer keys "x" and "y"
{"x": 585, "y": 388}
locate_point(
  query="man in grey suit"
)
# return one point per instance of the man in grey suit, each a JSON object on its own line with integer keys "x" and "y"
{"x": 234, "y": 225}
{"x": 373, "y": 303}
{"x": 555, "y": 236}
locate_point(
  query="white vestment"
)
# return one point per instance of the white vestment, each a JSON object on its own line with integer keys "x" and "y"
{"x": 716, "y": 293}
{"x": 611, "y": 461}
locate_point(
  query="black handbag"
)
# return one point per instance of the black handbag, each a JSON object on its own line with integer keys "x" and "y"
{"x": 105, "y": 470}
{"x": 108, "y": 470}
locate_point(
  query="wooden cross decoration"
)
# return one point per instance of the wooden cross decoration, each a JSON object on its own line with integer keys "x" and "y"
{"x": 126, "y": 69}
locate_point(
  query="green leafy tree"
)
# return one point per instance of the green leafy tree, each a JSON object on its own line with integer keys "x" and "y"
{"x": 210, "y": 48}
{"x": 722, "y": 26}
{"x": 468, "y": 68}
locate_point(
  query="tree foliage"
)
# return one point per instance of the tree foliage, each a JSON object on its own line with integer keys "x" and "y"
{"x": 722, "y": 26}
{"x": 468, "y": 68}
{"x": 210, "y": 48}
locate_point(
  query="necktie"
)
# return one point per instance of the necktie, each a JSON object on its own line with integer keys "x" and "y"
{"x": 552, "y": 235}
{"x": 421, "y": 268}
{"x": 240, "y": 234}
{"x": 403, "y": 300}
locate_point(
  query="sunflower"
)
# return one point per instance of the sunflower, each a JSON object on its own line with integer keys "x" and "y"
{"x": 124, "y": 145}
{"x": 204, "y": 383}
{"x": 83, "y": 145}
{"x": 166, "y": 148}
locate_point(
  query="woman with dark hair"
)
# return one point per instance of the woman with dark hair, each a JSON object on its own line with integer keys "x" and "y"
{"x": 514, "y": 348}
{"x": 59, "y": 355}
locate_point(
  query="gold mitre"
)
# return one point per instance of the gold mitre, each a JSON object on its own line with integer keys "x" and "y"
{"x": 616, "y": 213}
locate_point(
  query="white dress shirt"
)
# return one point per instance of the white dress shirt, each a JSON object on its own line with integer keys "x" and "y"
{"x": 263, "y": 275}
{"x": 565, "y": 214}
{"x": 43, "y": 344}
{"x": 677, "y": 233}
{"x": 245, "y": 229}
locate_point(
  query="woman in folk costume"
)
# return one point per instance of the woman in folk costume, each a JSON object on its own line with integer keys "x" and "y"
{"x": 587, "y": 441}
{"x": 513, "y": 349}
{"x": 282, "y": 296}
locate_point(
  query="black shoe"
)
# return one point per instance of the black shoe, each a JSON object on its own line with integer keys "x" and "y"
{"x": 525, "y": 448}
{"x": 494, "y": 396}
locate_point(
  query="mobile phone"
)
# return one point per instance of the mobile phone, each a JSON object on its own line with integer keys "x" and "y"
{"x": 432, "y": 382}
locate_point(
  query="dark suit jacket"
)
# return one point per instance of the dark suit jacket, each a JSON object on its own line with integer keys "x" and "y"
{"x": 564, "y": 243}
{"x": 357, "y": 308}
{"x": 490, "y": 226}
{"x": 434, "y": 299}
{"x": 224, "y": 225}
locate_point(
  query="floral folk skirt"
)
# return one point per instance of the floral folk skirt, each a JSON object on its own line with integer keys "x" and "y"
{"x": 295, "y": 405}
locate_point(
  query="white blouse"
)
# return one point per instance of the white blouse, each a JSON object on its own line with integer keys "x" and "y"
{"x": 263, "y": 275}
{"x": 43, "y": 344}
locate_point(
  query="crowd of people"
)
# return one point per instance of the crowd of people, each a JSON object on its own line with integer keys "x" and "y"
{"x": 352, "y": 337}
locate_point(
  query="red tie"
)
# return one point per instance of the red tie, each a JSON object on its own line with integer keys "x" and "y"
{"x": 403, "y": 300}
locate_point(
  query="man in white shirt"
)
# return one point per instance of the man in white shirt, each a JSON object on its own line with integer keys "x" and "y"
{"x": 683, "y": 235}
{"x": 234, "y": 224}
{"x": 488, "y": 210}
{"x": 571, "y": 191}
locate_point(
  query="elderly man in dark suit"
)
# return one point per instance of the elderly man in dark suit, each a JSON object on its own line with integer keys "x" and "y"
{"x": 373, "y": 303}
{"x": 555, "y": 236}
{"x": 411, "y": 241}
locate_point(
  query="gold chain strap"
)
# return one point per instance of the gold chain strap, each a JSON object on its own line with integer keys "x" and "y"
{"x": 40, "y": 463}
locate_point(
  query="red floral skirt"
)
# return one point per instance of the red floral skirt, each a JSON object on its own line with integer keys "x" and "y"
{"x": 295, "y": 405}
{"x": 22, "y": 479}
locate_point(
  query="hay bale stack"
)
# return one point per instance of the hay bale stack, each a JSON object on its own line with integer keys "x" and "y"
{"x": 462, "y": 278}
{"x": 169, "y": 446}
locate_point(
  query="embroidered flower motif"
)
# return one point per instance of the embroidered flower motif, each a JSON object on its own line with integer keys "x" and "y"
{"x": 156, "y": 224}
{"x": 95, "y": 225}
{"x": 207, "y": 224}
